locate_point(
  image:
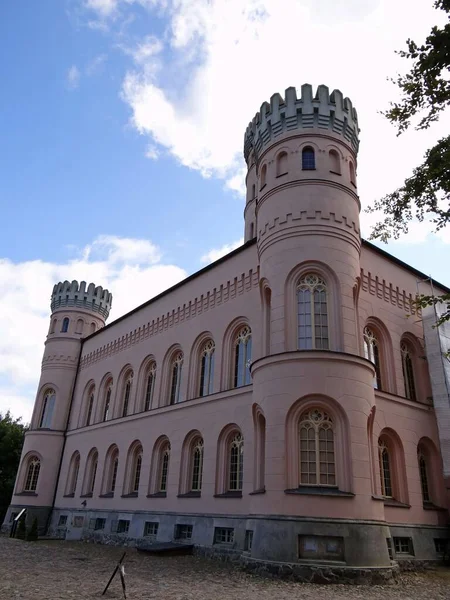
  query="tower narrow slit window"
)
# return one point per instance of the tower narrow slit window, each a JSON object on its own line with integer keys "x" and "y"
{"x": 65, "y": 325}
{"x": 150, "y": 386}
{"x": 282, "y": 164}
{"x": 372, "y": 353}
{"x": 263, "y": 177}
{"x": 175, "y": 378}
{"x": 421, "y": 457}
{"x": 126, "y": 395}
{"x": 335, "y": 162}
{"x": 352, "y": 173}
{"x": 242, "y": 357}
{"x": 32, "y": 476}
{"x": 197, "y": 465}
{"x": 48, "y": 406}
{"x": 207, "y": 368}
{"x": 236, "y": 463}
{"x": 312, "y": 313}
{"x": 408, "y": 371}
{"x": 317, "y": 456}
{"x": 163, "y": 467}
{"x": 308, "y": 159}
{"x": 385, "y": 468}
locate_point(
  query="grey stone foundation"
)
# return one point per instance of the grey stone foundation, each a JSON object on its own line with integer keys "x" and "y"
{"x": 42, "y": 513}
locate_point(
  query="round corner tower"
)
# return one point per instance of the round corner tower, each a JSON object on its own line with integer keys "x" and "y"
{"x": 78, "y": 310}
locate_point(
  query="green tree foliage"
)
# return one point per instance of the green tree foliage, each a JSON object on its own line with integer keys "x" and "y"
{"x": 11, "y": 441}
{"x": 32, "y": 534}
{"x": 425, "y": 94}
{"x": 21, "y": 532}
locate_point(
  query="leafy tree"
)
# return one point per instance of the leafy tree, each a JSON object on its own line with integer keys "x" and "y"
{"x": 32, "y": 534}
{"x": 425, "y": 94}
{"x": 11, "y": 441}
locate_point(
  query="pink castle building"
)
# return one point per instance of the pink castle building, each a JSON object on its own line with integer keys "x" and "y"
{"x": 287, "y": 403}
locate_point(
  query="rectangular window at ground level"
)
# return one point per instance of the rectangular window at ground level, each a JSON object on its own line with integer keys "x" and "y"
{"x": 151, "y": 529}
{"x": 183, "y": 532}
{"x": 441, "y": 545}
{"x": 321, "y": 547}
{"x": 403, "y": 545}
{"x": 248, "y": 540}
{"x": 223, "y": 535}
{"x": 99, "y": 524}
{"x": 120, "y": 526}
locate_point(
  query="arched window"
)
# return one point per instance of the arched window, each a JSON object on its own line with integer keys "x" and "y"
{"x": 73, "y": 474}
{"x": 65, "y": 325}
{"x": 236, "y": 463}
{"x": 259, "y": 422}
{"x": 163, "y": 467}
{"x": 423, "y": 470}
{"x": 372, "y": 353}
{"x": 352, "y": 172}
{"x": 48, "y": 407}
{"x": 308, "y": 159}
{"x": 90, "y": 407}
{"x": 53, "y": 326}
{"x": 149, "y": 386}
{"x": 408, "y": 371}
{"x": 317, "y": 460}
{"x": 196, "y": 465}
{"x": 263, "y": 177}
{"x": 91, "y": 473}
{"x": 253, "y": 191}
{"x": 80, "y": 326}
{"x": 335, "y": 162}
{"x": 385, "y": 468}
{"x": 135, "y": 465}
{"x": 252, "y": 230}
{"x": 175, "y": 378}
{"x": 126, "y": 394}
{"x": 107, "y": 403}
{"x": 115, "y": 466}
{"x": 242, "y": 357}
{"x": 93, "y": 328}
{"x": 312, "y": 313}
{"x": 282, "y": 164}
{"x": 110, "y": 472}
{"x": 207, "y": 368}
{"x": 32, "y": 475}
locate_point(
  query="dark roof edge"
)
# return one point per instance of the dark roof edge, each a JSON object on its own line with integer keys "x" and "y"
{"x": 175, "y": 287}
{"x": 241, "y": 249}
{"x": 399, "y": 262}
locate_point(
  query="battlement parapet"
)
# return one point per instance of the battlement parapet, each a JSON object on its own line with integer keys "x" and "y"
{"x": 80, "y": 296}
{"x": 323, "y": 111}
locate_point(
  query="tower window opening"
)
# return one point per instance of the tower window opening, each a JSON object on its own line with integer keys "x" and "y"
{"x": 282, "y": 164}
{"x": 335, "y": 162}
{"x": 308, "y": 159}
{"x": 65, "y": 325}
{"x": 352, "y": 173}
{"x": 263, "y": 177}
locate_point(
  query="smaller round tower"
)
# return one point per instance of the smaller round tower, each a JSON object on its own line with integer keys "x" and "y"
{"x": 78, "y": 310}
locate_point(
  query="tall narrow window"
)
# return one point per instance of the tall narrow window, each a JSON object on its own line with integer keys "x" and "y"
{"x": 236, "y": 463}
{"x": 92, "y": 473}
{"x": 317, "y": 459}
{"x": 92, "y": 328}
{"x": 80, "y": 326}
{"x": 175, "y": 378}
{"x": 115, "y": 466}
{"x": 150, "y": 386}
{"x": 423, "y": 475}
{"x": 263, "y": 177}
{"x": 335, "y": 163}
{"x": 282, "y": 164}
{"x": 207, "y": 369}
{"x": 197, "y": 465}
{"x": 163, "y": 467}
{"x": 31, "y": 480}
{"x": 53, "y": 326}
{"x": 408, "y": 372}
{"x": 352, "y": 172}
{"x": 137, "y": 471}
{"x": 385, "y": 469}
{"x": 90, "y": 406}
{"x": 312, "y": 313}
{"x": 74, "y": 475}
{"x": 308, "y": 159}
{"x": 107, "y": 404}
{"x": 372, "y": 353}
{"x": 242, "y": 357}
{"x": 126, "y": 395}
{"x": 65, "y": 325}
{"x": 48, "y": 406}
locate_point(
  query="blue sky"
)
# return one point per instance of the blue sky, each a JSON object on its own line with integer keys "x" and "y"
{"x": 122, "y": 124}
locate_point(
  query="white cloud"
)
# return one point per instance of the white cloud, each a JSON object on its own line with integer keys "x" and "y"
{"x": 119, "y": 264}
{"x": 73, "y": 77}
{"x": 216, "y": 253}
{"x": 152, "y": 152}
{"x": 95, "y": 65}
{"x": 104, "y": 8}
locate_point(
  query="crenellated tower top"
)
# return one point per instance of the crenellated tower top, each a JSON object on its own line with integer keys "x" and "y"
{"x": 79, "y": 296}
{"x": 322, "y": 111}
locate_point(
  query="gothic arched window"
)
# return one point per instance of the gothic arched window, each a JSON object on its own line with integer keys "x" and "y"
{"x": 196, "y": 465}
{"x": 91, "y": 473}
{"x": 73, "y": 475}
{"x": 163, "y": 467}
{"x": 385, "y": 468}
{"x": 372, "y": 353}
{"x": 136, "y": 470}
{"x": 408, "y": 371}
{"x": 48, "y": 406}
{"x": 32, "y": 475}
{"x": 107, "y": 404}
{"x": 317, "y": 459}
{"x": 207, "y": 368}
{"x": 175, "y": 378}
{"x": 236, "y": 463}
{"x": 111, "y": 468}
{"x": 423, "y": 470}
{"x": 312, "y": 313}
{"x": 90, "y": 407}
{"x": 308, "y": 159}
{"x": 149, "y": 386}
{"x": 242, "y": 357}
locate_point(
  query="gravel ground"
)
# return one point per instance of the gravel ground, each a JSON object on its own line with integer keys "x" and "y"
{"x": 52, "y": 570}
